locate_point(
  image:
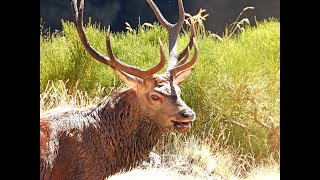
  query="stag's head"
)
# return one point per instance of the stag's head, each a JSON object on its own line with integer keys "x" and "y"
{"x": 157, "y": 94}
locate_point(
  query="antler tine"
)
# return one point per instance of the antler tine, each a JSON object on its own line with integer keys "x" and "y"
{"x": 188, "y": 64}
{"x": 159, "y": 15}
{"x": 113, "y": 62}
{"x": 173, "y": 29}
{"x": 190, "y": 44}
{"x": 78, "y": 17}
{"x": 186, "y": 56}
{"x": 176, "y": 61}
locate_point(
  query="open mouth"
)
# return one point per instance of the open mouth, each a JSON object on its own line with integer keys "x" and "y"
{"x": 182, "y": 125}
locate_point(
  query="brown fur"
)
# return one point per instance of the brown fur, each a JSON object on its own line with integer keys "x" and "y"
{"x": 97, "y": 142}
{"x": 44, "y": 137}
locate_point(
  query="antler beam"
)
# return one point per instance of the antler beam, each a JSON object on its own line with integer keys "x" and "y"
{"x": 174, "y": 63}
{"x": 112, "y": 62}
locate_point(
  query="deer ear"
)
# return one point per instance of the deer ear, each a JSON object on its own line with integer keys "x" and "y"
{"x": 181, "y": 76}
{"x": 130, "y": 80}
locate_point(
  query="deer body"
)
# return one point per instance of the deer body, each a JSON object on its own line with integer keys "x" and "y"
{"x": 117, "y": 130}
{"x": 120, "y": 132}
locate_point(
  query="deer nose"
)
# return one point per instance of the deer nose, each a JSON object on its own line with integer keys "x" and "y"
{"x": 188, "y": 114}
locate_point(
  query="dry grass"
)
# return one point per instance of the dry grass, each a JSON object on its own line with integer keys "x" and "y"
{"x": 57, "y": 96}
{"x": 198, "y": 21}
{"x": 238, "y": 25}
{"x": 191, "y": 157}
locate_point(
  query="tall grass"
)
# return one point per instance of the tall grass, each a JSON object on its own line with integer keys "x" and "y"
{"x": 235, "y": 84}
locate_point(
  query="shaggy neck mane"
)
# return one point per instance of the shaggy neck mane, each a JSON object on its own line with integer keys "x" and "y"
{"x": 130, "y": 133}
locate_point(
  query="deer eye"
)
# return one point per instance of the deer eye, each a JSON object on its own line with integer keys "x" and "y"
{"x": 154, "y": 97}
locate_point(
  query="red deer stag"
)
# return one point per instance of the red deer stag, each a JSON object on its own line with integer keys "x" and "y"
{"x": 117, "y": 134}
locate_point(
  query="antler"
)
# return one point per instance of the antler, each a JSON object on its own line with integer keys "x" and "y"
{"x": 111, "y": 61}
{"x": 175, "y": 63}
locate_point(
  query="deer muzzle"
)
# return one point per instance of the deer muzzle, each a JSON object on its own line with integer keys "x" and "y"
{"x": 184, "y": 121}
